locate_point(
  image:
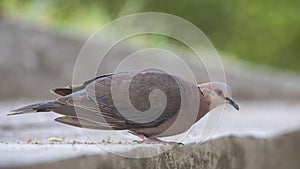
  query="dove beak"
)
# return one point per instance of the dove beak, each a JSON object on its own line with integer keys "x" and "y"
{"x": 232, "y": 103}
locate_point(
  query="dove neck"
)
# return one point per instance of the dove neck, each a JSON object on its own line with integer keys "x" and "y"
{"x": 204, "y": 107}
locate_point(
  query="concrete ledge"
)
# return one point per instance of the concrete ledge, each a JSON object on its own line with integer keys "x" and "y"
{"x": 281, "y": 152}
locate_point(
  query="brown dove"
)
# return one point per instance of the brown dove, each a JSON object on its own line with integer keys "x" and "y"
{"x": 148, "y": 114}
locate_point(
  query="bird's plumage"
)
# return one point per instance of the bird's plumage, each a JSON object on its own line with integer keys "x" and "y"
{"x": 93, "y": 105}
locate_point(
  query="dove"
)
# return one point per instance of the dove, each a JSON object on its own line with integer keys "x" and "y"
{"x": 148, "y": 104}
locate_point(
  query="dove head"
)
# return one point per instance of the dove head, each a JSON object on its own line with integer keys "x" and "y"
{"x": 217, "y": 93}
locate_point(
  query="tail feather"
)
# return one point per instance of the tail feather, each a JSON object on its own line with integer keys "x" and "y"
{"x": 38, "y": 107}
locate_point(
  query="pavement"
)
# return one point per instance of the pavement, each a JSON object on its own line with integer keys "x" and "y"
{"x": 36, "y": 139}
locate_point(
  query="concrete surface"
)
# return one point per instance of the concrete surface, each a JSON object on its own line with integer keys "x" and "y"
{"x": 227, "y": 153}
{"x": 281, "y": 152}
{"x": 260, "y": 141}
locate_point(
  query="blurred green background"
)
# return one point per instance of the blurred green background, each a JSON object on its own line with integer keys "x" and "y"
{"x": 264, "y": 32}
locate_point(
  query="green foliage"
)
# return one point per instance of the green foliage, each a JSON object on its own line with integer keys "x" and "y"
{"x": 259, "y": 31}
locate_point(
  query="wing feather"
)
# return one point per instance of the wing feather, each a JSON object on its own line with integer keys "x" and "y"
{"x": 96, "y": 95}
{"x": 83, "y": 123}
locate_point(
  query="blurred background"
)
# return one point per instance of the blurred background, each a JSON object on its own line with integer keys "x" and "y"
{"x": 43, "y": 39}
{"x": 258, "y": 42}
{"x": 259, "y": 31}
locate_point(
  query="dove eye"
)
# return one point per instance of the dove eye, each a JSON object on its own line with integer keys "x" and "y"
{"x": 219, "y": 92}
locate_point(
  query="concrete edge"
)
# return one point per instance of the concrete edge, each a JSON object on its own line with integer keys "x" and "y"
{"x": 229, "y": 152}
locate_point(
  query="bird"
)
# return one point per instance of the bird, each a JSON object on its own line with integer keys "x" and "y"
{"x": 154, "y": 106}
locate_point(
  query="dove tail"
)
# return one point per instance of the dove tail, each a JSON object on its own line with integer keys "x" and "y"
{"x": 38, "y": 107}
